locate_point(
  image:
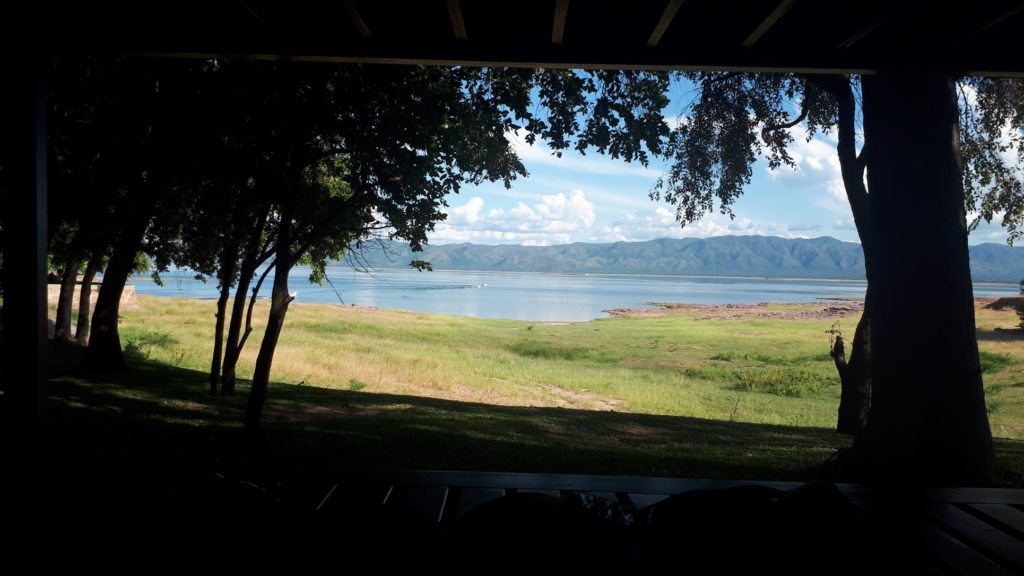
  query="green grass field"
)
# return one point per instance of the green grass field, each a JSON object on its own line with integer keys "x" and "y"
{"x": 731, "y": 393}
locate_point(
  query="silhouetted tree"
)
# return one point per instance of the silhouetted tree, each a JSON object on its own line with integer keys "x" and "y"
{"x": 736, "y": 117}
{"x": 368, "y": 149}
{"x": 138, "y": 120}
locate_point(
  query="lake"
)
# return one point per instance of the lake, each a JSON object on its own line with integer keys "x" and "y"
{"x": 532, "y": 295}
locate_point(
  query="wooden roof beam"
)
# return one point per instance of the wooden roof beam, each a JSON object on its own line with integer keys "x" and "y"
{"x": 860, "y": 34}
{"x": 558, "y": 30}
{"x": 356, "y": 18}
{"x": 993, "y": 21}
{"x": 666, "y": 19}
{"x": 253, "y": 13}
{"x": 458, "y": 23}
{"x": 768, "y": 22}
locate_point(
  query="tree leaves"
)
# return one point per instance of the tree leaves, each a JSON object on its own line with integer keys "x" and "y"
{"x": 992, "y": 150}
{"x": 737, "y": 117}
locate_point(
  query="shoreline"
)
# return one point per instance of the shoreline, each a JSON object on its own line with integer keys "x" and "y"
{"x": 824, "y": 308}
{"x": 190, "y": 276}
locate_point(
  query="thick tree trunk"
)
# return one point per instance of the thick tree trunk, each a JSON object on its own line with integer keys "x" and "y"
{"x": 279, "y": 301}
{"x": 855, "y": 376}
{"x": 928, "y": 421}
{"x": 104, "y": 351}
{"x": 62, "y": 323}
{"x": 85, "y": 300}
{"x": 218, "y": 333}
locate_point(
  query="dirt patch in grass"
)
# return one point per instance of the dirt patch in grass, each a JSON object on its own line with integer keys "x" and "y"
{"x": 833, "y": 308}
{"x": 565, "y": 398}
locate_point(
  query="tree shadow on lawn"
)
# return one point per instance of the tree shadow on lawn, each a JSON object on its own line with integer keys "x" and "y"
{"x": 1002, "y": 335}
{"x": 160, "y": 419}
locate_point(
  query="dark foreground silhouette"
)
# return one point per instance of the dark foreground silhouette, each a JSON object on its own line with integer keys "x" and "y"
{"x": 749, "y": 529}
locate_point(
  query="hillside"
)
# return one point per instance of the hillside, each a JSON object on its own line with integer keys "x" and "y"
{"x": 823, "y": 257}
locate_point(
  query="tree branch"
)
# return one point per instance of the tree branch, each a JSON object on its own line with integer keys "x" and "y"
{"x": 767, "y": 130}
{"x": 862, "y": 160}
{"x": 252, "y": 304}
{"x": 721, "y": 78}
{"x": 851, "y": 164}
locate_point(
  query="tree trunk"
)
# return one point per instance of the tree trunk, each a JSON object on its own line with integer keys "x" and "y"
{"x": 279, "y": 301}
{"x": 62, "y": 323}
{"x": 218, "y": 332}
{"x": 855, "y": 375}
{"x": 231, "y": 347}
{"x": 250, "y": 262}
{"x": 85, "y": 300}
{"x": 104, "y": 351}
{"x": 928, "y": 421}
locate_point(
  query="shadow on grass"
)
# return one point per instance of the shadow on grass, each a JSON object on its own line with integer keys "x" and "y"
{"x": 159, "y": 418}
{"x": 1003, "y": 335}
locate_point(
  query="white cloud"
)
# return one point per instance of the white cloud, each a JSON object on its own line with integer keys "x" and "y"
{"x": 469, "y": 212}
{"x": 555, "y": 219}
{"x": 564, "y": 218}
{"x": 661, "y": 223}
{"x": 987, "y": 231}
{"x": 817, "y": 166}
{"x": 622, "y": 199}
{"x": 845, "y": 224}
{"x": 676, "y": 121}
{"x": 573, "y": 161}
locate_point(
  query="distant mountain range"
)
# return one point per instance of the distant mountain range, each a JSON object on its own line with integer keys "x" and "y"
{"x": 762, "y": 256}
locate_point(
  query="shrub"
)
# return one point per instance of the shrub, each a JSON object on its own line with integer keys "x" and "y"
{"x": 553, "y": 351}
{"x": 782, "y": 382}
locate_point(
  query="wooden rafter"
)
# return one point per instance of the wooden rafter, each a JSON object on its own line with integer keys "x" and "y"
{"x": 768, "y": 22}
{"x": 860, "y": 34}
{"x": 558, "y": 30}
{"x": 993, "y": 21}
{"x": 253, "y": 13}
{"x": 458, "y": 23}
{"x": 666, "y": 18}
{"x": 356, "y": 18}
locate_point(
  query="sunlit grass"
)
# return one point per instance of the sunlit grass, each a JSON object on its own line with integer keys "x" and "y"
{"x": 681, "y": 395}
{"x": 766, "y": 371}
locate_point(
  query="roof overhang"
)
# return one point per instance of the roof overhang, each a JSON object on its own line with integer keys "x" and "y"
{"x": 838, "y": 36}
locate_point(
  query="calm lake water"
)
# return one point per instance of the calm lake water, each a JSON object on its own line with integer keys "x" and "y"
{"x": 531, "y": 295}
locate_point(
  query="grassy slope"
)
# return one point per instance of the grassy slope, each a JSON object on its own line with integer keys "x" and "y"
{"x": 688, "y": 391}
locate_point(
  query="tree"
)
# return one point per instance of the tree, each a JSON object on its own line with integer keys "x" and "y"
{"x": 928, "y": 419}
{"x": 142, "y": 117}
{"x": 94, "y": 265}
{"x": 65, "y": 252}
{"x": 737, "y": 116}
{"x": 371, "y": 148}
{"x": 80, "y": 202}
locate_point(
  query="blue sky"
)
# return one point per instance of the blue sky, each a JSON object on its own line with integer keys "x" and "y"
{"x": 592, "y": 198}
